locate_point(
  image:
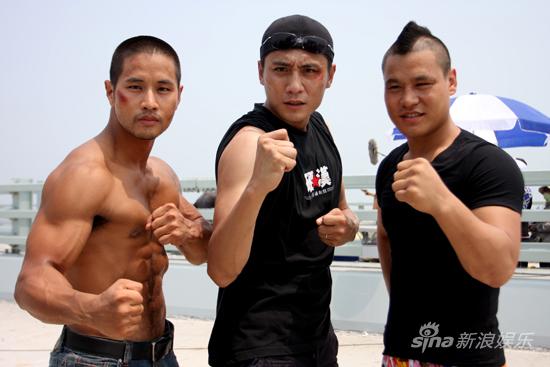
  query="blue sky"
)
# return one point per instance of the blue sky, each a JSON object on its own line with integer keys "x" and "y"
{"x": 56, "y": 54}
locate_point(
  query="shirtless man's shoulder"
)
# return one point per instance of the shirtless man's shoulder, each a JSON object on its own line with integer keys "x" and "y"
{"x": 91, "y": 226}
{"x": 84, "y": 169}
{"x": 95, "y": 254}
{"x": 89, "y": 175}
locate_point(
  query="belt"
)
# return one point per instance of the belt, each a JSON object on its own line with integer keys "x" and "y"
{"x": 108, "y": 348}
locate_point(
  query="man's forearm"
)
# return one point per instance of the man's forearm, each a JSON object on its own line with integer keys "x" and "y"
{"x": 384, "y": 256}
{"x": 486, "y": 252}
{"x": 231, "y": 241}
{"x": 353, "y": 223}
{"x": 49, "y": 297}
{"x": 195, "y": 246}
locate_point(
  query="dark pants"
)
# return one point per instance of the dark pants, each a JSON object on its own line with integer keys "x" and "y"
{"x": 66, "y": 357}
{"x": 90, "y": 351}
{"x": 324, "y": 356}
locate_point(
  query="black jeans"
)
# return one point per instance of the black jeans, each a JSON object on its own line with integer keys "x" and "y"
{"x": 324, "y": 356}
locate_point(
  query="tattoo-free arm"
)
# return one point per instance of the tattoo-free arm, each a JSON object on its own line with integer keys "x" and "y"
{"x": 486, "y": 240}
{"x": 71, "y": 196}
{"x": 195, "y": 244}
{"x": 384, "y": 251}
{"x": 238, "y": 203}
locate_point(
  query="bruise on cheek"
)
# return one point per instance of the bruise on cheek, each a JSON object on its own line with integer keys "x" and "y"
{"x": 123, "y": 99}
{"x": 316, "y": 76}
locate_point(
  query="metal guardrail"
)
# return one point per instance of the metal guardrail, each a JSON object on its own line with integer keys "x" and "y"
{"x": 26, "y": 195}
{"x": 197, "y": 185}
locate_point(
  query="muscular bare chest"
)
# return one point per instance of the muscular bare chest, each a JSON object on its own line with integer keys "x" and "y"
{"x": 131, "y": 202}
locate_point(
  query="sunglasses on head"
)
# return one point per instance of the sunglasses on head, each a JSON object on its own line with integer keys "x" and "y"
{"x": 286, "y": 41}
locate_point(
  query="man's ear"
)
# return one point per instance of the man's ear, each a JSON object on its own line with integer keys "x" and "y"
{"x": 331, "y": 72}
{"x": 180, "y": 90}
{"x": 109, "y": 91}
{"x": 453, "y": 82}
{"x": 261, "y": 72}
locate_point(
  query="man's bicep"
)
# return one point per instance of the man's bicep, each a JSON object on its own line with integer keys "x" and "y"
{"x": 381, "y": 230}
{"x": 235, "y": 170}
{"x": 502, "y": 218}
{"x": 64, "y": 221}
{"x": 57, "y": 243}
{"x": 495, "y": 180}
{"x": 384, "y": 249}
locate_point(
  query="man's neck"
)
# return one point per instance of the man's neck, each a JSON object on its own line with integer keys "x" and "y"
{"x": 125, "y": 149}
{"x": 296, "y": 125}
{"x": 432, "y": 145}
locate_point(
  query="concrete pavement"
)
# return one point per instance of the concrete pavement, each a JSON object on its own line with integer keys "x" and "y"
{"x": 26, "y": 342}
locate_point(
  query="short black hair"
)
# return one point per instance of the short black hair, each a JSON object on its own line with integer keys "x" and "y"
{"x": 414, "y": 37}
{"x": 139, "y": 44}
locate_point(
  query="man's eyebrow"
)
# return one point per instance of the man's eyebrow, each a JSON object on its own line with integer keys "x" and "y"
{"x": 166, "y": 81}
{"x": 310, "y": 65}
{"x": 301, "y": 66}
{"x": 139, "y": 80}
{"x": 280, "y": 62}
{"x": 421, "y": 78}
{"x": 134, "y": 80}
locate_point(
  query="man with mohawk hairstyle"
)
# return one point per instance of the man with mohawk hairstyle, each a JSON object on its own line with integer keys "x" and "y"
{"x": 449, "y": 218}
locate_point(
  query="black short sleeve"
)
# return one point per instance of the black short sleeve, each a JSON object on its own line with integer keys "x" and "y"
{"x": 495, "y": 179}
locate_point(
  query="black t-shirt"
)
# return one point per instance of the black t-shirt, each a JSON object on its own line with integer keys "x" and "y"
{"x": 432, "y": 297}
{"x": 279, "y": 304}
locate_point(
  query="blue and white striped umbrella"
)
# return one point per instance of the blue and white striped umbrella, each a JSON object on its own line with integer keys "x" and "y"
{"x": 503, "y": 121}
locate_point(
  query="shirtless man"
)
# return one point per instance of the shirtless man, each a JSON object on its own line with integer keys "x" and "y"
{"x": 95, "y": 254}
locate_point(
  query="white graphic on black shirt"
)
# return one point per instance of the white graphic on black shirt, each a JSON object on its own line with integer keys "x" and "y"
{"x": 318, "y": 182}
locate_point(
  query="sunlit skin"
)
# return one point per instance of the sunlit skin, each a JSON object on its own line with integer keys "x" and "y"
{"x": 485, "y": 239}
{"x": 146, "y": 95}
{"x": 295, "y": 82}
{"x": 417, "y": 92}
{"x": 95, "y": 255}
{"x": 254, "y": 162}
